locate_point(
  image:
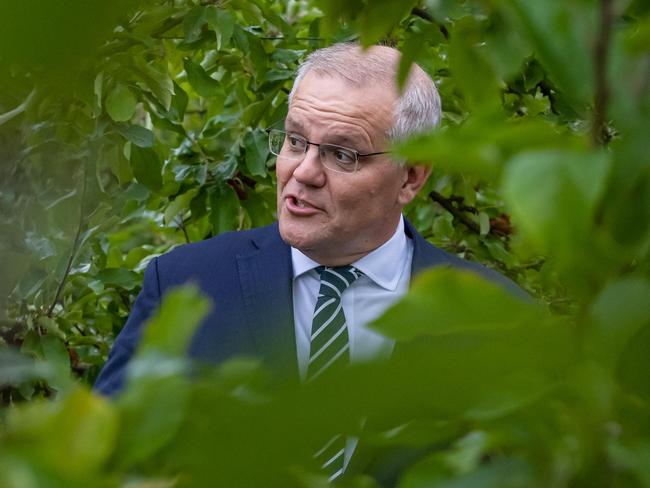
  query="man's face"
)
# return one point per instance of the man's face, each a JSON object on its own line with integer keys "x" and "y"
{"x": 336, "y": 218}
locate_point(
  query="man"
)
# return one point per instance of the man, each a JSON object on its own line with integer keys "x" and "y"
{"x": 299, "y": 293}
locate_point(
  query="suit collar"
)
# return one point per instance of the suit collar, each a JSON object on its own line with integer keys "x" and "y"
{"x": 425, "y": 255}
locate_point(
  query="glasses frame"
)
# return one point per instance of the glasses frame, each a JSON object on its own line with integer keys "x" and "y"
{"x": 356, "y": 153}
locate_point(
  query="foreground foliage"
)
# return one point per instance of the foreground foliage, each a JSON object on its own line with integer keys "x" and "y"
{"x": 149, "y": 135}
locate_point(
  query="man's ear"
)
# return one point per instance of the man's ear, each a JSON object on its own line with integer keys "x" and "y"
{"x": 415, "y": 178}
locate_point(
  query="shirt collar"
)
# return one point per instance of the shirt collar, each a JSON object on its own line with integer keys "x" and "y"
{"x": 384, "y": 265}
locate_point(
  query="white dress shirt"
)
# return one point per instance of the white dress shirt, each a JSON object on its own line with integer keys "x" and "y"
{"x": 386, "y": 275}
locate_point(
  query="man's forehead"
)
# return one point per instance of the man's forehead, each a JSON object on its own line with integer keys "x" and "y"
{"x": 332, "y": 94}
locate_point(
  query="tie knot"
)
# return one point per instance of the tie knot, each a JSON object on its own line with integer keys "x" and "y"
{"x": 335, "y": 280}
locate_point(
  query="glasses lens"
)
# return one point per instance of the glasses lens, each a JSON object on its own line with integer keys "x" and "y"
{"x": 287, "y": 145}
{"x": 338, "y": 158}
{"x": 276, "y": 140}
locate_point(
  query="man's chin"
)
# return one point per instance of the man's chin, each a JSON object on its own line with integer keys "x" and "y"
{"x": 297, "y": 235}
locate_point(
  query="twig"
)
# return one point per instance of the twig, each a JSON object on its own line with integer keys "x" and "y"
{"x": 181, "y": 226}
{"x": 598, "y": 129}
{"x": 73, "y": 251}
{"x": 448, "y": 205}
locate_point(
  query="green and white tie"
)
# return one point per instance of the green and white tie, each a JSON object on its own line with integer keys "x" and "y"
{"x": 330, "y": 347}
{"x": 330, "y": 344}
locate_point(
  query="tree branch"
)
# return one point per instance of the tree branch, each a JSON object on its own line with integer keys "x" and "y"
{"x": 601, "y": 97}
{"x": 73, "y": 251}
{"x": 448, "y": 205}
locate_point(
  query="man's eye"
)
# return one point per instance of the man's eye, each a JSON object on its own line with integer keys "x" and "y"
{"x": 343, "y": 157}
{"x": 295, "y": 142}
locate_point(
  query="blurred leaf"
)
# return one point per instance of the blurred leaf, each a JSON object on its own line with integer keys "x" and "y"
{"x": 471, "y": 68}
{"x": 224, "y": 209}
{"x": 479, "y": 146}
{"x": 147, "y": 167}
{"x": 257, "y": 150}
{"x": 447, "y": 300}
{"x": 562, "y": 35}
{"x": 157, "y": 79}
{"x": 112, "y": 156}
{"x": 17, "y": 368}
{"x": 180, "y": 204}
{"x": 171, "y": 329}
{"x": 222, "y": 22}
{"x": 204, "y": 85}
{"x": 193, "y": 22}
{"x": 179, "y": 102}
{"x": 553, "y": 194}
{"x": 121, "y": 277}
{"x": 72, "y": 437}
{"x": 137, "y": 134}
{"x": 120, "y": 103}
{"x": 620, "y": 311}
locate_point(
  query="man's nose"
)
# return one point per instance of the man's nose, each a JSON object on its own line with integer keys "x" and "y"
{"x": 310, "y": 170}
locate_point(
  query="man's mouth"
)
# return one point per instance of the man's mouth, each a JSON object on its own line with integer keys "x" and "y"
{"x": 300, "y": 203}
{"x": 299, "y": 206}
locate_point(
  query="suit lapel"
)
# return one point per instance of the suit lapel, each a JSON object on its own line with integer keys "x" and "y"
{"x": 266, "y": 277}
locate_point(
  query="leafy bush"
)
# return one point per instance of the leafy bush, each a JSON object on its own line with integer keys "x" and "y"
{"x": 121, "y": 141}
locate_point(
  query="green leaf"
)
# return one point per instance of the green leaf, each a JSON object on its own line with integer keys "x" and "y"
{"x": 257, "y": 150}
{"x": 193, "y": 23}
{"x": 137, "y": 134}
{"x": 479, "y": 146}
{"x": 378, "y": 20}
{"x": 447, "y": 300}
{"x": 471, "y": 68}
{"x": 484, "y": 223}
{"x": 170, "y": 330}
{"x": 179, "y": 102}
{"x": 69, "y": 438}
{"x": 55, "y": 352}
{"x": 17, "y": 368}
{"x": 180, "y": 204}
{"x": 553, "y": 194}
{"x": 202, "y": 82}
{"x": 157, "y": 79}
{"x": 562, "y": 35}
{"x": 119, "y": 277}
{"x": 147, "y": 167}
{"x": 619, "y": 312}
{"x": 224, "y": 209}
{"x": 120, "y": 103}
{"x": 415, "y": 46}
{"x": 119, "y": 165}
{"x": 222, "y": 22}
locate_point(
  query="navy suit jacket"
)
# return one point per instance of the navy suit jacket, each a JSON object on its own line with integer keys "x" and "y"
{"x": 248, "y": 276}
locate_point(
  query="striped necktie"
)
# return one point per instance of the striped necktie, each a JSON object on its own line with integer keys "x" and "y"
{"x": 330, "y": 347}
{"x": 329, "y": 343}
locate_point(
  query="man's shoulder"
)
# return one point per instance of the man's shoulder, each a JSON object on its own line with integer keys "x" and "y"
{"x": 219, "y": 251}
{"x": 427, "y": 256}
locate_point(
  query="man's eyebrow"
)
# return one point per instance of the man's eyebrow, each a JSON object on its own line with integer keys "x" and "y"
{"x": 293, "y": 125}
{"x": 345, "y": 139}
{"x": 352, "y": 141}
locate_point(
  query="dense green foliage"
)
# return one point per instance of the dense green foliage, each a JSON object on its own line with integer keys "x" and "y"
{"x": 127, "y": 130}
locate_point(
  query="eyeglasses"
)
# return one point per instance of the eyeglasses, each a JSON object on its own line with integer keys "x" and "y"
{"x": 293, "y": 147}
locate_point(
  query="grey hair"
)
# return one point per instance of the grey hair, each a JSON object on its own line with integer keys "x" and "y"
{"x": 418, "y": 106}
